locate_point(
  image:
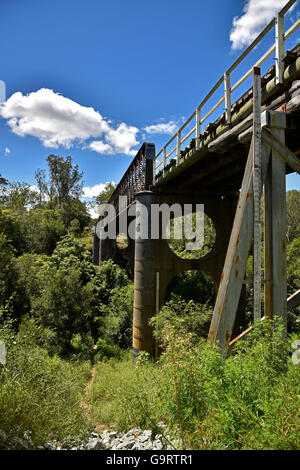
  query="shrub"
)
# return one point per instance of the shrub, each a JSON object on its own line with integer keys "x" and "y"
{"x": 116, "y": 324}
{"x": 106, "y": 350}
{"x": 183, "y": 317}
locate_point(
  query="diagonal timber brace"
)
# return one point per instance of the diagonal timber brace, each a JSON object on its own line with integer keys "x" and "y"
{"x": 277, "y": 146}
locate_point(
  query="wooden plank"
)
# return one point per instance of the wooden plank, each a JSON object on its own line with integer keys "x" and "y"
{"x": 198, "y": 127}
{"x": 227, "y": 98}
{"x": 235, "y": 263}
{"x": 294, "y": 300}
{"x": 276, "y": 145}
{"x": 279, "y": 31}
{"x": 178, "y": 147}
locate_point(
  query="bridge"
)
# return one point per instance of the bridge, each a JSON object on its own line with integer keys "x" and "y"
{"x": 248, "y": 149}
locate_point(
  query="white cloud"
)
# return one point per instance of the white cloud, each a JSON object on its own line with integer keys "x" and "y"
{"x": 56, "y": 120}
{"x": 162, "y": 128}
{"x": 120, "y": 140}
{"x": 93, "y": 191}
{"x": 256, "y": 15}
{"x": 6, "y": 151}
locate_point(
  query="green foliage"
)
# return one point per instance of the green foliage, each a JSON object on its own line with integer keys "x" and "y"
{"x": 63, "y": 305}
{"x": 72, "y": 254}
{"x": 116, "y": 324}
{"x": 192, "y": 285}
{"x": 10, "y": 226}
{"x": 40, "y": 393}
{"x": 185, "y": 318}
{"x": 65, "y": 179}
{"x": 293, "y": 214}
{"x": 293, "y": 265}
{"x": 108, "y": 277}
{"x": 107, "y": 351}
{"x": 248, "y": 401}
{"x": 42, "y": 229}
{"x": 105, "y": 195}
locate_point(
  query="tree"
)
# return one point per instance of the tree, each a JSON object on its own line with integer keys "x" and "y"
{"x": 40, "y": 178}
{"x": 3, "y": 187}
{"x": 20, "y": 196}
{"x": 65, "y": 179}
{"x": 105, "y": 195}
{"x": 293, "y": 214}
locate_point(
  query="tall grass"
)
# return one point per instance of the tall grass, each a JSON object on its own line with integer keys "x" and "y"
{"x": 248, "y": 401}
{"x": 40, "y": 393}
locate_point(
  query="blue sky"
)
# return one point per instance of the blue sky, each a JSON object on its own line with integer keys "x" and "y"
{"x": 95, "y": 79}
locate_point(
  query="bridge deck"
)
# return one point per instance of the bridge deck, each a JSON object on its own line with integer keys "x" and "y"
{"x": 218, "y": 166}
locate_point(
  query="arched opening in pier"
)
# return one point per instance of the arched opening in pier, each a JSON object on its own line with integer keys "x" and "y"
{"x": 190, "y": 298}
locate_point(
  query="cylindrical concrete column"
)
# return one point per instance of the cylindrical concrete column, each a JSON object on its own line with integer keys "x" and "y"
{"x": 145, "y": 266}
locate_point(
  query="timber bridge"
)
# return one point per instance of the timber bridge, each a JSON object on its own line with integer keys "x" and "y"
{"x": 250, "y": 147}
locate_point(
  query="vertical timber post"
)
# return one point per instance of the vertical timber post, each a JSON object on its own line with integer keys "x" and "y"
{"x": 256, "y": 193}
{"x": 275, "y": 228}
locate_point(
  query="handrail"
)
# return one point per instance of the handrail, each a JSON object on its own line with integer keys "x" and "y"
{"x": 280, "y": 37}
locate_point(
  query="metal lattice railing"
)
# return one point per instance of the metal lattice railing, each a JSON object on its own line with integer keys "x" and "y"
{"x": 280, "y": 36}
{"x": 138, "y": 177}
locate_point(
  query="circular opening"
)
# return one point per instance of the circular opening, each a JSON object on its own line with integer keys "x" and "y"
{"x": 179, "y": 246}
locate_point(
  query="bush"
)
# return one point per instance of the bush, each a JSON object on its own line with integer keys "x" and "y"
{"x": 116, "y": 324}
{"x": 184, "y": 318}
{"x": 107, "y": 351}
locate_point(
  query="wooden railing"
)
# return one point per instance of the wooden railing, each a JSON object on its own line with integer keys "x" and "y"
{"x": 164, "y": 154}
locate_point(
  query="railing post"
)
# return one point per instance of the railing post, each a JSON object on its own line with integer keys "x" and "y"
{"x": 164, "y": 160}
{"x": 279, "y": 31}
{"x": 198, "y": 127}
{"x": 227, "y": 98}
{"x": 178, "y": 147}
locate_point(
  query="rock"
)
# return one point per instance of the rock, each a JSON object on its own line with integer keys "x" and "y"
{"x": 50, "y": 446}
{"x": 3, "y": 437}
{"x": 94, "y": 434}
{"x": 18, "y": 444}
{"x": 94, "y": 444}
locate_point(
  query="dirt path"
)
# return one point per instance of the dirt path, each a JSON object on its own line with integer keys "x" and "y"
{"x": 86, "y": 407}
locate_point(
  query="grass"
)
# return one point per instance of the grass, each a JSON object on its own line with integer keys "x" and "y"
{"x": 41, "y": 394}
{"x": 249, "y": 401}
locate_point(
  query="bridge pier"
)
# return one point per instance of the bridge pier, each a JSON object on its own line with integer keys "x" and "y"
{"x": 155, "y": 264}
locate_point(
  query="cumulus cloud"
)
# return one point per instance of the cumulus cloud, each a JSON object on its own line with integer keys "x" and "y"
{"x": 162, "y": 128}
{"x": 256, "y": 15}
{"x": 56, "y": 120}
{"x": 6, "y": 151}
{"x": 120, "y": 140}
{"x": 93, "y": 191}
